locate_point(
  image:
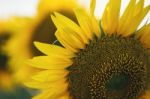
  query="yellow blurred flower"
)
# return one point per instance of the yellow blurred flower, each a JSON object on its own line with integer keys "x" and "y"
{"x": 109, "y": 60}
{"x": 8, "y": 30}
{"x": 41, "y": 29}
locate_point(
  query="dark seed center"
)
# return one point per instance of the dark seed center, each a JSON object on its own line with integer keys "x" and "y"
{"x": 112, "y": 67}
{"x": 3, "y": 62}
{"x": 117, "y": 83}
{"x": 3, "y": 55}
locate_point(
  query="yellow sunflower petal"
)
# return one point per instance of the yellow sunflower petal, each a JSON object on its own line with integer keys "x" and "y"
{"x": 110, "y": 17}
{"x": 144, "y": 35}
{"x": 53, "y": 92}
{"x": 68, "y": 34}
{"x": 137, "y": 20}
{"x": 65, "y": 96}
{"x": 49, "y": 62}
{"x": 104, "y": 20}
{"x": 88, "y": 23}
{"x": 126, "y": 16}
{"x": 83, "y": 20}
{"x": 65, "y": 43}
{"x": 54, "y": 50}
{"x": 6, "y": 81}
{"x": 139, "y": 7}
{"x": 132, "y": 17}
{"x": 72, "y": 26}
{"x": 92, "y": 6}
{"x": 95, "y": 26}
{"x": 37, "y": 85}
{"x": 44, "y": 85}
{"x": 50, "y": 75}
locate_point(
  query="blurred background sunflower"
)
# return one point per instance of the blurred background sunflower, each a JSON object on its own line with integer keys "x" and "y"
{"x": 20, "y": 33}
{"x": 41, "y": 29}
{"x": 9, "y": 88}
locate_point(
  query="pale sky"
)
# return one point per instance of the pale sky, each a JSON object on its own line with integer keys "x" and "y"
{"x": 17, "y": 7}
{"x": 28, "y": 7}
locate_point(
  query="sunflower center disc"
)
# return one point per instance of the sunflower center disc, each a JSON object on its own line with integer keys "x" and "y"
{"x": 3, "y": 61}
{"x": 117, "y": 82}
{"x": 3, "y": 57}
{"x": 112, "y": 67}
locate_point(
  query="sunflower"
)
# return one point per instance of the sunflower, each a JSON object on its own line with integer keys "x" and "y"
{"x": 96, "y": 59}
{"x": 42, "y": 21}
{"x": 5, "y": 78}
{"x": 8, "y": 31}
{"x": 41, "y": 28}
